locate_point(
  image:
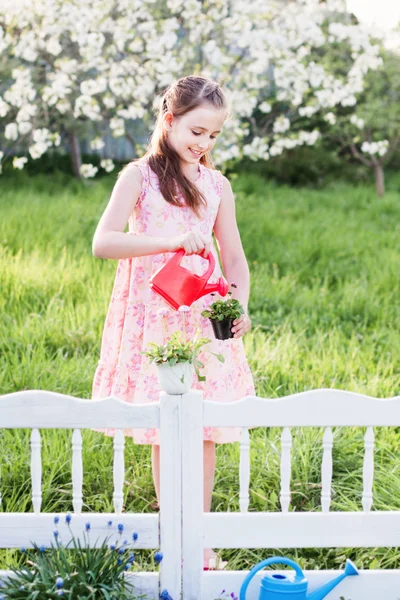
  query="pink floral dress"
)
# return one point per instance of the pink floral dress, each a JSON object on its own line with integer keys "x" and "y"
{"x": 134, "y": 317}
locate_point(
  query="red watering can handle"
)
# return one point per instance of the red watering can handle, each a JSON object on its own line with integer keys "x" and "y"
{"x": 210, "y": 258}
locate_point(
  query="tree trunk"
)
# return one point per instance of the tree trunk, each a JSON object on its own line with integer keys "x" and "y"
{"x": 75, "y": 154}
{"x": 379, "y": 179}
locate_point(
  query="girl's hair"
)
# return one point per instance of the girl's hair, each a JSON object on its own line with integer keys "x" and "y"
{"x": 181, "y": 97}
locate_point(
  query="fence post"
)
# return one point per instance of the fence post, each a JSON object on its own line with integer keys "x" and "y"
{"x": 170, "y": 495}
{"x": 192, "y": 495}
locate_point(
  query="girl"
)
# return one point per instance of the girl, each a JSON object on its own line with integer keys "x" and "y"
{"x": 173, "y": 198}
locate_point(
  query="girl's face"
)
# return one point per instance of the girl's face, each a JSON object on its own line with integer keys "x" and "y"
{"x": 195, "y": 133}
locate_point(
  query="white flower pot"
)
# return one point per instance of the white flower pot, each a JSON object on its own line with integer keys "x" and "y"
{"x": 177, "y": 379}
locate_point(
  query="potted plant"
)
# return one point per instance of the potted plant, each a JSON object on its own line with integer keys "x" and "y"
{"x": 177, "y": 359}
{"x": 222, "y": 313}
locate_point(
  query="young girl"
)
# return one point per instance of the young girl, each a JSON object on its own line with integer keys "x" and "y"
{"x": 173, "y": 198}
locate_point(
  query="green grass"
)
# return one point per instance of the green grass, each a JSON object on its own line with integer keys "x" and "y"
{"x": 324, "y": 306}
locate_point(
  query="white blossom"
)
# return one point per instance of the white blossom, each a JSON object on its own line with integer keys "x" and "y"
{"x": 330, "y": 118}
{"x": 97, "y": 144}
{"x": 11, "y": 131}
{"x": 24, "y": 127}
{"x": 374, "y": 148}
{"x": 107, "y": 164}
{"x": 265, "y": 107}
{"x": 18, "y": 162}
{"x": 359, "y": 123}
{"x": 88, "y": 170}
{"x": 281, "y": 125}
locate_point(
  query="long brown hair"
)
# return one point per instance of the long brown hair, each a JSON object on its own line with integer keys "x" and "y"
{"x": 181, "y": 97}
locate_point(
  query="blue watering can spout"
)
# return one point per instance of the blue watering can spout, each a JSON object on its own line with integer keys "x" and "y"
{"x": 324, "y": 590}
{"x": 275, "y": 586}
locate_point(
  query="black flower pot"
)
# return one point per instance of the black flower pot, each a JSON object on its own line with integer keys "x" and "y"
{"x": 222, "y": 329}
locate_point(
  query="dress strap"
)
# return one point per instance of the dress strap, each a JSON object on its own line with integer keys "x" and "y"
{"x": 145, "y": 171}
{"x": 218, "y": 182}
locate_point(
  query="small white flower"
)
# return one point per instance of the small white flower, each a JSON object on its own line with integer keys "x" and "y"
{"x": 107, "y": 164}
{"x": 162, "y": 312}
{"x": 18, "y": 162}
{"x": 184, "y": 308}
{"x": 11, "y": 131}
{"x": 88, "y": 170}
{"x": 97, "y": 144}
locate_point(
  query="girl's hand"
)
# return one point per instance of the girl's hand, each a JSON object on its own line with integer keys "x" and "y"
{"x": 241, "y": 326}
{"x": 192, "y": 243}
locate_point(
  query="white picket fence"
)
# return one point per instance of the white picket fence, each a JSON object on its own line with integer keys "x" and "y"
{"x": 181, "y": 530}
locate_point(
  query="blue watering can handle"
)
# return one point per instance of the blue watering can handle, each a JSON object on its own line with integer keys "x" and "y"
{"x": 266, "y": 563}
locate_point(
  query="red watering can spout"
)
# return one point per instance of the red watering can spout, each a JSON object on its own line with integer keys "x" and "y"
{"x": 179, "y": 286}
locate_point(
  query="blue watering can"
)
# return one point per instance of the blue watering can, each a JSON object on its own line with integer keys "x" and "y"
{"x": 276, "y": 586}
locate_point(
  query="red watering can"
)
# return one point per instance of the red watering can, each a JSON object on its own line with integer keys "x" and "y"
{"x": 179, "y": 286}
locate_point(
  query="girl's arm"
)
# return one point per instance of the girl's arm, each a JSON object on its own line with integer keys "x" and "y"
{"x": 230, "y": 246}
{"x": 110, "y": 240}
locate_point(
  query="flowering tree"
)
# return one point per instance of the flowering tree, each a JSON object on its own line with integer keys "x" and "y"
{"x": 371, "y": 131}
{"x": 78, "y": 68}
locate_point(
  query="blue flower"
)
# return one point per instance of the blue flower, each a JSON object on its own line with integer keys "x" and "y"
{"x": 60, "y": 593}
{"x": 120, "y": 527}
{"x": 131, "y": 558}
{"x": 135, "y": 536}
{"x": 23, "y": 549}
{"x": 56, "y": 520}
{"x": 109, "y": 523}
{"x": 119, "y": 561}
{"x": 127, "y": 566}
{"x": 87, "y": 526}
{"x": 59, "y": 582}
{"x": 121, "y": 551}
{"x": 165, "y": 596}
{"x": 42, "y": 548}
{"x": 56, "y": 534}
{"x": 68, "y": 519}
{"x": 158, "y": 557}
{"x": 22, "y": 587}
{"x": 113, "y": 547}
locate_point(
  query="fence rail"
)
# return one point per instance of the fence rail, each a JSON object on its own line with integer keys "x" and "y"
{"x": 182, "y": 530}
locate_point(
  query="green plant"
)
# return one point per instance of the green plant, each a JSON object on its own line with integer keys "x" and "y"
{"x": 74, "y": 572}
{"x": 178, "y": 350}
{"x": 224, "y": 309}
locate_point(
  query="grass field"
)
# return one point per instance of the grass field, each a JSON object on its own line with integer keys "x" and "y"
{"x": 325, "y": 309}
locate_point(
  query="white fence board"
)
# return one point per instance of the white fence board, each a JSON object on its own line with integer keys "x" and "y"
{"x": 170, "y": 494}
{"x": 50, "y": 410}
{"x": 368, "y": 585}
{"x": 316, "y": 408}
{"x": 192, "y": 495}
{"x": 20, "y": 529}
{"x": 302, "y": 530}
